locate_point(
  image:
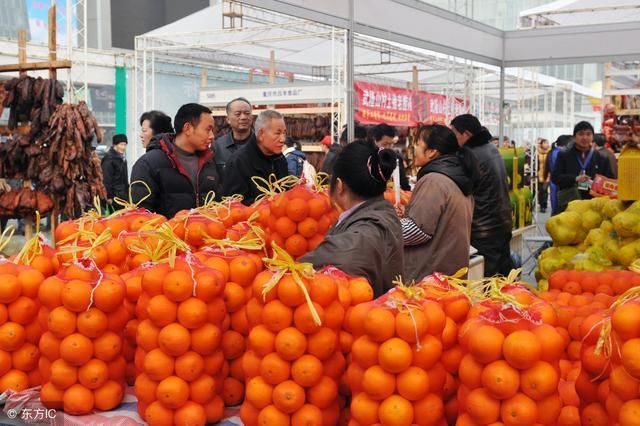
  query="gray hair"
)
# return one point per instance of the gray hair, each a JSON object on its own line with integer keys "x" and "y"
{"x": 265, "y": 117}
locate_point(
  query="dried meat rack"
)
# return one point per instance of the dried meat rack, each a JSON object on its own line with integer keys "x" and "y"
{"x": 53, "y": 64}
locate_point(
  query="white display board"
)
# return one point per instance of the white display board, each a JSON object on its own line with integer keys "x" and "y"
{"x": 271, "y": 95}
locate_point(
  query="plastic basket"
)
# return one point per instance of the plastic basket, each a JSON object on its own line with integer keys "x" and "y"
{"x": 629, "y": 174}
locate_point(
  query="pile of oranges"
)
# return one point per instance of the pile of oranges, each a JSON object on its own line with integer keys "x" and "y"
{"x": 297, "y": 219}
{"x": 82, "y": 363}
{"x": 179, "y": 337}
{"x": 394, "y": 373}
{"x": 613, "y": 283}
{"x": 510, "y": 371}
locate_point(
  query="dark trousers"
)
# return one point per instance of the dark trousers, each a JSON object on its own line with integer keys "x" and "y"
{"x": 496, "y": 251}
{"x": 543, "y": 194}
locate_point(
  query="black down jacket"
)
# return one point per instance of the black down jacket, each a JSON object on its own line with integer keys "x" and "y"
{"x": 171, "y": 187}
{"x": 115, "y": 174}
{"x": 492, "y": 206}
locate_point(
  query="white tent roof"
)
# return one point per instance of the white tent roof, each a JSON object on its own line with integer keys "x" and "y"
{"x": 581, "y": 12}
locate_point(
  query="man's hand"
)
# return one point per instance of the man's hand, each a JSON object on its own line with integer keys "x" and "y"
{"x": 582, "y": 178}
{"x": 4, "y": 186}
{"x": 400, "y": 210}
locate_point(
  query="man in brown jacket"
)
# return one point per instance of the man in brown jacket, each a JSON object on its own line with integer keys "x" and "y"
{"x": 436, "y": 226}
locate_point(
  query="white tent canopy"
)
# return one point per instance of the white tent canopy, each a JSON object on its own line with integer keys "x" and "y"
{"x": 581, "y": 12}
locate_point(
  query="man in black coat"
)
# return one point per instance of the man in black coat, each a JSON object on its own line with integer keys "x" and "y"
{"x": 178, "y": 168}
{"x": 578, "y": 165}
{"x": 114, "y": 170}
{"x": 240, "y": 119}
{"x": 492, "y": 223}
{"x": 261, "y": 157}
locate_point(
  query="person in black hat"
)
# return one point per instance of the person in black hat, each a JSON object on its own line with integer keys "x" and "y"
{"x": 114, "y": 170}
{"x": 491, "y": 226}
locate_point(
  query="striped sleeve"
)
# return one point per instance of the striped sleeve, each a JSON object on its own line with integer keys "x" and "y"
{"x": 412, "y": 234}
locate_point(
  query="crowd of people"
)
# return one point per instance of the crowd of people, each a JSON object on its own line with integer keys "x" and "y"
{"x": 460, "y": 198}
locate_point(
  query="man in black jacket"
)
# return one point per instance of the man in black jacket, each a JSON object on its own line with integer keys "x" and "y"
{"x": 178, "y": 168}
{"x": 240, "y": 120}
{"x": 578, "y": 165}
{"x": 385, "y": 136}
{"x": 261, "y": 157}
{"x": 114, "y": 170}
{"x": 491, "y": 227}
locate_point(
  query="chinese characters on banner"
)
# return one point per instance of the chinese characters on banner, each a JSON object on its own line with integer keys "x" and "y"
{"x": 401, "y": 107}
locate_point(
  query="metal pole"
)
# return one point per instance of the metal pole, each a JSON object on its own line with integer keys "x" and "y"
{"x": 501, "y": 124}
{"x": 69, "y": 50}
{"x": 84, "y": 52}
{"x": 350, "y": 66}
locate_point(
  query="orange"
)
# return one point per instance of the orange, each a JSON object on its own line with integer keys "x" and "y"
{"x": 177, "y": 286}
{"x": 152, "y": 279}
{"x": 276, "y": 316}
{"x": 308, "y": 227}
{"x": 522, "y": 349}
{"x": 323, "y": 343}
{"x": 157, "y": 414}
{"x": 500, "y": 380}
{"x": 625, "y": 386}
{"x": 355, "y": 318}
{"x": 285, "y": 227}
{"x": 307, "y": 370}
{"x": 192, "y": 313}
{"x": 261, "y": 279}
{"x": 172, "y": 392}
{"x": 364, "y": 410}
{"x": 364, "y": 351}
{"x": 360, "y": 291}
{"x": 109, "y": 295}
{"x": 61, "y": 322}
{"x": 457, "y": 308}
{"x": 288, "y": 396}
{"x": 259, "y": 393}
{"x": 63, "y": 374}
{"x": 209, "y": 285}
{"x": 539, "y": 381}
{"x": 378, "y": 384}
{"x": 631, "y": 357}
{"x": 335, "y": 365}
{"x": 334, "y": 315}
{"x": 214, "y": 410}
{"x": 413, "y": 383}
{"x": 289, "y": 291}
{"x": 379, "y": 324}
{"x": 625, "y": 319}
{"x": 203, "y": 389}
{"x": 428, "y": 353}
{"x": 451, "y": 358}
{"x": 395, "y": 355}
{"x": 51, "y": 396}
{"x": 549, "y": 409}
{"x": 519, "y": 410}
{"x": 30, "y": 280}
{"x": 161, "y": 310}
{"x": 91, "y": 323}
{"x": 49, "y": 345}
{"x": 429, "y": 410}
{"x": 324, "y": 393}
{"x": 304, "y": 319}
{"x": 290, "y": 344}
{"x": 50, "y": 292}
{"x": 569, "y": 416}
{"x": 629, "y": 413}
{"x": 44, "y": 265}
{"x": 190, "y": 414}
{"x": 436, "y": 318}
{"x": 250, "y": 364}
{"x": 274, "y": 369}
{"x": 395, "y": 411}
{"x": 232, "y": 391}
{"x": 551, "y": 342}
{"x": 482, "y": 407}
{"x": 411, "y": 325}
{"x": 174, "y": 339}
{"x": 220, "y": 265}
{"x": 594, "y": 414}
{"x": 189, "y": 366}
{"x": 108, "y": 396}
{"x": 76, "y": 295}
{"x": 5, "y": 362}
{"x": 296, "y": 245}
{"x": 26, "y": 358}
{"x": 107, "y": 347}
{"x": 242, "y": 270}
{"x": 206, "y": 339}
{"x": 261, "y": 340}
{"x": 76, "y": 349}
{"x": 118, "y": 369}
{"x": 234, "y": 296}
{"x": 271, "y": 416}
{"x": 308, "y": 415}
{"x": 485, "y": 344}
{"x": 470, "y": 372}
{"x": 78, "y": 400}
{"x": 217, "y": 311}
{"x": 297, "y": 209}
{"x": 10, "y": 289}
{"x": 233, "y": 344}
{"x": 147, "y": 335}
{"x": 93, "y": 374}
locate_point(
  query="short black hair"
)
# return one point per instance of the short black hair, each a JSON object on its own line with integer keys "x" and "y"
{"x": 599, "y": 139}
{"x": 189, "y": 113}
{"x": 359, "y": 133}
{"x": 563, "y": 140}
{"x": 583, "y": 125}
{"x": 364, "y": 168}
{"x": 240, "y": 99}
{"x": 382, "y": 130}
{"x": 467, "y": 122}
{"x": 159, "y": 122}
{"x": 442, "y": 139}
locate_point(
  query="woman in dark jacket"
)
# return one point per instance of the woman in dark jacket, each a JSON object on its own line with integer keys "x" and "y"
{"x": 436, "y": 227}
{"x": 367, "y": 240}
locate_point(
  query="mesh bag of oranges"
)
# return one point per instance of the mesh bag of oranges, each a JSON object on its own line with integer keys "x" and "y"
{"x": 238, "y": 268}
{"x": 509, "y": 372}
{"x": 394, "y": 371}
{"x": 295, "y": 216}
{"x": 179, "y": 343}
{"x": 609, "y": 391}
{"x": 293, "y": 365}
{"x": 82, "y": 364}
{"x": 612, "y": 283}
{"x": 19, "y": 326}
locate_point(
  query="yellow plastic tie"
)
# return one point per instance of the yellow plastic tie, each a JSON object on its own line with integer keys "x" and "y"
{"x": 273, "y": 186}
{"x": 128, "y": 205}
{"x": 32, "y": 248}
{"x": 5, "y": 237}
{"x": 282, "y": 263}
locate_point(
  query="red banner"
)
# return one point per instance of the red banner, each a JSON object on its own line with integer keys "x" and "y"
{"x": 395, "y": 106}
